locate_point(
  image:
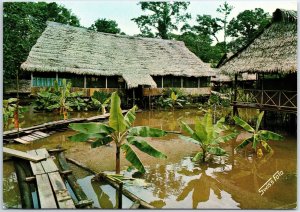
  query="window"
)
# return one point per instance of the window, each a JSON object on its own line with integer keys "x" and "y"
{"x": 43, "y": 79}
{"x": 158, "y": 80}
{"x": 190, "y": 82}
{"x": 95, "y": 81}
{"x": 204, "y": 82}
{"x": 76, "y": 80}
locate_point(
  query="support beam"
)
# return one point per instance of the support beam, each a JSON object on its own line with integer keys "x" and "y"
{"x": 31, "y": 79}
{"x": 181, "y": 82}
{"x": 235, "y": 110}
{"x": 56, "y": 76}
{"x": 105, "y": 81}
{"x": 162, "y": 82}
{"x": 84, "y": 81}
{"x": 198, "y": 82}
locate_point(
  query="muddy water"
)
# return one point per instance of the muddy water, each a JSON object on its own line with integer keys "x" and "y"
{"x": 228, "y": 182}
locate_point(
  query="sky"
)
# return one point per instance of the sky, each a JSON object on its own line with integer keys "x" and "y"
{"x": 123, "y": 11}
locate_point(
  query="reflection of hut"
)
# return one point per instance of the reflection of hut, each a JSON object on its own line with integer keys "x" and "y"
{"x": 100, "y": 61}
{"x": 272, "y": 56}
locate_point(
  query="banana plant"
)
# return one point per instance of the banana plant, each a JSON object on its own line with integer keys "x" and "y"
{"x": 120, "y": 131}
{"x": 257, "y": 136}
{"x": 207, "y": 135}
{"x": 9, "y": 110}
{"x": 62, "y": 102}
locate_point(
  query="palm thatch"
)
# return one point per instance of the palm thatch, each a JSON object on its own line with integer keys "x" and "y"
{"x": 273, "y": 50}
{"x": 221, "y": 78}
{"x": 63, "y": 48}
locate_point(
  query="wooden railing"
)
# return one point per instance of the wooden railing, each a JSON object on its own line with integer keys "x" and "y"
{"x": 279, "y": 99}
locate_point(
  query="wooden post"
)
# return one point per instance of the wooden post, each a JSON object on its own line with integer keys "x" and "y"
{"x": 56, "y": 77}
{"x": 133, "y": 97}
{"x": 235, "y": 111}
{"x": 181, "y": 82}
{"x": 105, "y": 81}
{"x": 120, "y": 195}
{"x": 31, "y": 79}
{"x": 198, "y": 82}
{"x": 262, "y": 91}
{"x": 84, "y": 81}
{"x": 162, "y": 82}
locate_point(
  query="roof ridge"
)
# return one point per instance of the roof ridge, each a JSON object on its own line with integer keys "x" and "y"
{"x": 52, "y": 23}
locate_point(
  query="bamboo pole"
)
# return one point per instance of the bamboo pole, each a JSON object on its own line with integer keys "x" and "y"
{"x": 80, "y": 195}
{"x": 24, "y": 187}
{"x": 113, "y": 183}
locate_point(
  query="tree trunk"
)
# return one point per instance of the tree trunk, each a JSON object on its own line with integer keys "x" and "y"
{"x": 118, "y": 160}
{"x": 203, "y": 158}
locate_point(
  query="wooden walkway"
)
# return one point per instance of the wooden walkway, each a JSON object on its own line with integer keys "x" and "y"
{"x": 51, "y": 188}
{"x": 30, "y": 134}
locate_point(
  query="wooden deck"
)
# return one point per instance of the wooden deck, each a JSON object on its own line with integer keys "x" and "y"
{"x": 52, "y": 191}
{"x": 272, "y": 100}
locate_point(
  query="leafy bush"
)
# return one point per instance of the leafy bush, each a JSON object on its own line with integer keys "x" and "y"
{"x": 100, "y": 100}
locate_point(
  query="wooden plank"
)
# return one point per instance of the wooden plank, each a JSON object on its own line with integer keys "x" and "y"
{"x": 41, "y": 133}
{"x": 22, "y": 155}
{"x": 37, "y": 135}
{"x": 46, "y": 195}
{"x": 26, "y": 138}
{"x": 62, "y": 195}
{"x": 37, "y": 168}
{"x": 33, "y": 137}
{"x": 21, "y": 141}
{"x": 48, "y": 164}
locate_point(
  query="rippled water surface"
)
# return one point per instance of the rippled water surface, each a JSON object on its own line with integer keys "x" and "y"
{"x": 230, "y": 181}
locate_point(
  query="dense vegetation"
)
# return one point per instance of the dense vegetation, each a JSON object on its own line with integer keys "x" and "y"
{"x": 23, "y": 23}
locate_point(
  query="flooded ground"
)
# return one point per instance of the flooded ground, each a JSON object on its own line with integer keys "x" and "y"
{"x": 231, "y": 181}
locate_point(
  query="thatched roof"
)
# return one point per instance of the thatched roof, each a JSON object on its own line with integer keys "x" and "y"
{"x": 63, "y": 48}
{"x": 220, "y": 77}
{"x": 273, "y": 50}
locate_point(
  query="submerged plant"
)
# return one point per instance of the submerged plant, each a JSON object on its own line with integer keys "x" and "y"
{"x": 120, "y": 131}
{"x": 207, "y": 135}
{"x": 10, "y": 110}
{"x": 257, "y": 136}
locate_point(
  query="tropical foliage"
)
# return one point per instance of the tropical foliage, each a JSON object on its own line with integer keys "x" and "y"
{"x": 105, "y": 25}
{"x": 60, "y": 98}
{"x": 259, "y": 138}
{"x": 9, "y": 110}
{"x": 120, "y": 131}
{"x": 207, "y": 135}
{"x": 171, "y": 98}
{"x": 100, "y": 101}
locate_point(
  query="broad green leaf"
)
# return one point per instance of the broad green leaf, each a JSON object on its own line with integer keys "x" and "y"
{"x": 189, "y": 139}
{"x": 91, "y": 128}
{"x": 268, "y": 135}
{"x": 116, "y": 119}
{"x": 144, "y": 131}
{"x": 101, "y": 141}
{"x": 131, "y": 156}
{"x": 226, "y": 138}
{"x": 244, "y": 143}
{"x": 266, "y": 146}
{"x": 255, "y": 141}
{"x": 130, "y": 116}
{"x": 173, "y": 96}
{"x": 82, "y": 137}
{"x": 243, "y": 124}
{"x": 208, "y": 124}
{"x": 145, "y": 147}
{"x": 186, "y": 127}
{"x": 200, "y": 131}
{"x": 217, "y": 151}
{"x": 259, "y": 118}
{"x": 197, "y": 157}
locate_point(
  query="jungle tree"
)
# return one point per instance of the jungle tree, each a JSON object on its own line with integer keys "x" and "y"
{"x": 105, "y": 25}
{"x": 164, "y": 18}
{"x": 120, "y": 131}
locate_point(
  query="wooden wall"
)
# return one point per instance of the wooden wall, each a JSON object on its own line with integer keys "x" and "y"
{"x": 188, "y": 91}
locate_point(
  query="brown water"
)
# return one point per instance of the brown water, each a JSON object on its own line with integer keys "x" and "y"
{"x": 225, "y": 182}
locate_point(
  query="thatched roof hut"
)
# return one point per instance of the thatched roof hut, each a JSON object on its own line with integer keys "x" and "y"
{"x": 273, "y": 50}
{"x": 67, "y": 49}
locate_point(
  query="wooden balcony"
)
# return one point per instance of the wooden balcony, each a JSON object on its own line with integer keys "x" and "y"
{"x": 278, "y": 100}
